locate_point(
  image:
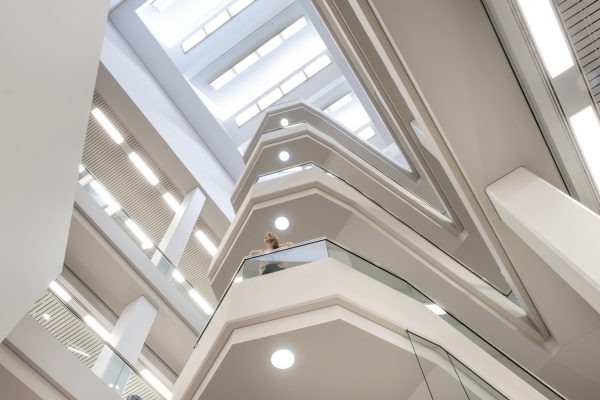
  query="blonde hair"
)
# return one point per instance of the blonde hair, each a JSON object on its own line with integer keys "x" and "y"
{"x": 274, "y": 240}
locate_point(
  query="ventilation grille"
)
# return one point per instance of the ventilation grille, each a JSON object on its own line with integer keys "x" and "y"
{"x": 108, "y": 163}
{"x": 581, "y": 20}
{"x": 332, "y": 96}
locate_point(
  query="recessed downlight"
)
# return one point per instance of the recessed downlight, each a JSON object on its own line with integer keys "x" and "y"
{"x": 46, "y": 317}
{"x": 284, "y": 122}
{"x": 238, "y": 279}
{"x": 284, "y": 156}
{"x": 282, "y": 359}
{"x": 282, "y": 223}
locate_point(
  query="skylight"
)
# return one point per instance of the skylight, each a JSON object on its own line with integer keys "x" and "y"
{"x": 215, "y": 23}
{"x": 285, "y": 88}
{"x": 262, "y": 51}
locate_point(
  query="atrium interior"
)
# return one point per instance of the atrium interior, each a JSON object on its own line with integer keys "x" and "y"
{"x": 430, "y": 168}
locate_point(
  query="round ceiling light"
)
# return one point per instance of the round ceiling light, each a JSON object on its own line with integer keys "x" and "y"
{"x": 284, "y": 122}
{"x": 284, "y": 156}
{"x": 46, "y": 317}
{"x": 282, "y": 359}
{"x": 282, "y": 223}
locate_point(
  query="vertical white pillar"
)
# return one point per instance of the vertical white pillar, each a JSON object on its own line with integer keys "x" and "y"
{"x": 127, "y": 337}
{"x": 175, "y": 239}
{"x": 49, "y": 62}
{"x": 563, "y": 232}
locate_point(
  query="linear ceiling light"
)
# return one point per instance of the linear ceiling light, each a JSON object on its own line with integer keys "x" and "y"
{"x": 208, "y": 245}
{"x": 141, "y": 165}
{"x": 178, "y": 277}
{"x": 366, "y": 133}
{"x": 146, "y": 242}
{"x": 193, "y": 40}
{"x": 171, "y": 201}
{"x": 282, "y": 90}
{"x": 587, "y": 133}
{"x": 238, "y": 6}
{"x": 201, "y": 302}
{"x": 156, "y": 384}
{"x": 317, "y": 65}
{"x": 76, "y": 350}
{"x": 547, "y": 35}
{"x": 262, "y": 51}
{"x": 339, "y": 104}
{"x": 214, "y": 24}
{"x": 270, "y": 99}
{"x": 97, "y": 327}
{"x": 60, "y": 292}
{"x": 160, "y": 5}
{"x": 247, "y": 115}
{"x": 436, "y": 309}
{"x": 113, "y": 206}
{"x": 293, "y": 82}
{"x": 108, "y": 127}
{"x": 217, "y": 22}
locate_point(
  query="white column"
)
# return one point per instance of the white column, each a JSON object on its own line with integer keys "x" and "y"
{"x": 563, "y": 232}
{"x": 127, "y": 337}
{"x": 49, "y": 60}
{"x": 176, "y": 238}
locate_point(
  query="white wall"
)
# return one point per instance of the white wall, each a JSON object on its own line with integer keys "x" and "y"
{"x": 49, "y": 63}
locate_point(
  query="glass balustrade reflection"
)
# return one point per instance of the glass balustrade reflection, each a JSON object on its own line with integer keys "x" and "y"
{"x": 128, "y": 226}
{"x": 320, "y": 249}
{"x": 56, "y": 318}
{"x": 448, "y": 378}
{"x": 303, "y": 167}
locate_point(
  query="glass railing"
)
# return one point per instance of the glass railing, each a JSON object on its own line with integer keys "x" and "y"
{"x": 302, "y": 167}
{"x": 57, "y": 318}
{"x": 153, "y": 253}
{"x": 448, "y": 378}
{"x": 300, "y": 254}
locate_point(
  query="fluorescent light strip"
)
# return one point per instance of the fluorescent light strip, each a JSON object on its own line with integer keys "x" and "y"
{"x": 97, "y": 327}
{"x": 214, "y": 24}
{"x": 436, "y": 309}
{"x": 171, "y": 201}
{"x": 217, "y": 22}
{"x": 76, "y": 350}
{"x": 587, "y": 133}
{"x": 238, "y": 6}
{"x": 317, "y": 65}
{"x": 208, "y": 245}
{"x": 293, "y": 82}
{"x": 547, "y": 35}
{"x": 193, "y": 40}
{"x": 285, "y": 88}
{"x": 270, "y": 99}
{"x": 160, "y": 5}
{"x": 141, "y": 165}
{"x": 81, "y": 168}
{"x": 108, "y": 127}
{"x": 339, "y": 104}
{"x": 247, "y": 115}
{"x": 245, "y": 63}
{"x": 156, "y": 384}
{"x": 178, "y": 277}
{"x": 60, "y": 292}
{"x": 146, "y": 242}
{"x": 262, "y": 51}
{"x": 113, "y": 206}
{"x": 201, "y": 302}
{"x": 366, "y": 133}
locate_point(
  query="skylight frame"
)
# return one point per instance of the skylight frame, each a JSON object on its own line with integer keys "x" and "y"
{"x": 260, "y": 52}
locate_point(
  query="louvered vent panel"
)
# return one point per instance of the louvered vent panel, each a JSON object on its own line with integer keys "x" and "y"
{"x": 144, "y": 204}
{"x": 581, "y": 19}
{"x": 67, "y": 329}
{"x": 136, "y": 386}
{"x": 113, "y": 168}
{"x": 332, "y": 96}
{"x": 192, "y": 269}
